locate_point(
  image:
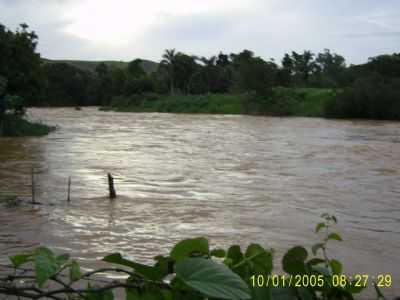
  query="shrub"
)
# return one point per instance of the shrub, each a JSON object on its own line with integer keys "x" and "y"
{"x": 194, "y": 271}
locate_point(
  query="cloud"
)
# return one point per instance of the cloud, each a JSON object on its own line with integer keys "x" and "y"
{"x": 125, "y": 29}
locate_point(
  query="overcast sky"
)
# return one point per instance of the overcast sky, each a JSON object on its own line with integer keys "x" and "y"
{"x": 127, "y": 29}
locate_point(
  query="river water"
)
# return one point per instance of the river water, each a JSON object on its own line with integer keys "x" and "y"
{"x": 233, "y": 179}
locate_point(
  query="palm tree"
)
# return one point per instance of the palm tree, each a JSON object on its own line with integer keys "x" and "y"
{"x": 169, "y": 58}
{"x": 209, "y": 64}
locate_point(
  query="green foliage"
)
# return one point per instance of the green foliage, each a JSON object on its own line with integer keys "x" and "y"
{"x": 14, "y": 125}
{"x": 373, "y": 97}
{"x": 190, "y": 247}
{"x": 20, "y": 259}
{"x": 294, "y": 261}
{"x": 207, "y": 104}
{"x": 192, "y": 273}
{"x": 20, "y": 64}
{"x": 47, "y": 264}
{"x": 153, "y": 273}
{"x": 211, "y": 279}
{"x": 75, "y": 272}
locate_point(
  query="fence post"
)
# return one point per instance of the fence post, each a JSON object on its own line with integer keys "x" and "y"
{"x": 69, "y": 189}
{"x": 111, "y": 188}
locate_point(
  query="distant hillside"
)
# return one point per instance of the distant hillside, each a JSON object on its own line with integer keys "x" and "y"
{"x": 148, "y": 65}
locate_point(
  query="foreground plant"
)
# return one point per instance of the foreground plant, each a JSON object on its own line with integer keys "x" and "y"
{"x": 191, "y": 271}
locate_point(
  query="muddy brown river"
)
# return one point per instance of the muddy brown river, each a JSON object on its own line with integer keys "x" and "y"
{"x": 233, "y": 179}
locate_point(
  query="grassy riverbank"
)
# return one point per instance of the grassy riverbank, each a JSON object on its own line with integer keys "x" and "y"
{"x": 283, "y": 101}
{"x": 14, "y": 126}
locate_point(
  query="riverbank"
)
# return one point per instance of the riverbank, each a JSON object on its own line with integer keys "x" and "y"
{"x": 16, "y": 126}
{"x": 308, "y": 102}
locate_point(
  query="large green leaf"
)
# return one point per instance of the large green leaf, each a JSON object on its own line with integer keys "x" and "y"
{"x": 261, "y": 259}
{"x": 46, "y": 265}
{"x": 235, "y": 255}
{"x": 190, "y": 247}
{"x": 152, "y": 273}
{"x": 260, "y": 293}
{"x": 294, "y": 260}
{"x": 212, "y": 279}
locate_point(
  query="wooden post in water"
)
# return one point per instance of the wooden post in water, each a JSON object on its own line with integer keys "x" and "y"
{"x": 69, "y": 189}
{"x": 113, "y": 195}
{"x": 33, "y": 186}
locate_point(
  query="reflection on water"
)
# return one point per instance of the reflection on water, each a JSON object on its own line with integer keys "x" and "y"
{"x": 234, "y": 179}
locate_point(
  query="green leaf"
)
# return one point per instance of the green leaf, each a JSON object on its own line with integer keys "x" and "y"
{"x": 152, "y": 273}
{"x": 190, "y": 247}
{"x": 212, "y": 279}
{"x": 261, "y": 259}
{"x": 221, "y": 253}
{"x": 260, "y": 293}
{"x": 293, "y": 261}
{"x": 19, "y": 260}
{"x": 334, "y": 236}
{"x": 46, "y": 265}
{"x": 319, "y": 227}
{"x": 336, "y": 266}
{"x": 75, "y": 272}
{"x": 316, "y": 247}
{"x": 235, "y": 254}
{"x": 62, "y": 259}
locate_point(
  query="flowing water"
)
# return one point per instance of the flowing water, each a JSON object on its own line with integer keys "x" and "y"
{"x": 233, "y": 179}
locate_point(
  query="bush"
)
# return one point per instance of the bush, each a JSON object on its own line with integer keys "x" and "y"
{"x": 15, "y": 125}
{"x": 373, "y": 97}
{"x": 193, "y": 271}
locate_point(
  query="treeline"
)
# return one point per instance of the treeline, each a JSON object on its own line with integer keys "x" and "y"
{"x": 361, "y": 91}
{"x": 180, "y": 73}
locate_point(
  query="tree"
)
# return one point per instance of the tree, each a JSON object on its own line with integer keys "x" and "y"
{"x": 285, "y": 74}
{"x": 20, "y": 64}
{"x": 330, "y": 68}
{"x": 67, "y": 85}
{"x": 209, "y": 70}
{"x": 185, "y": 67}
{"x": 253, "y": 73}
{"x": 303, "y": 65}
{"x": 135, "y": 68}
{"x": 168, "y": 64}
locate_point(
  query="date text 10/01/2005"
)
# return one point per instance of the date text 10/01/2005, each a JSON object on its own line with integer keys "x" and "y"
{"x": 358, "y": 280}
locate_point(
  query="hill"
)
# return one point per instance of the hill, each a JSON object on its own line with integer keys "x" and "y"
{"x": 148, "y": 65}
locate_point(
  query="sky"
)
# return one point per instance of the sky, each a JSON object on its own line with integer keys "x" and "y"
{"x": 128, "y": 29}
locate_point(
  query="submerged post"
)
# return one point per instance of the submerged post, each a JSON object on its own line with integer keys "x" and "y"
{"x": 69, "y": 189}
{"x": 33, "y": 186}
{"x": 113, "y": 195}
